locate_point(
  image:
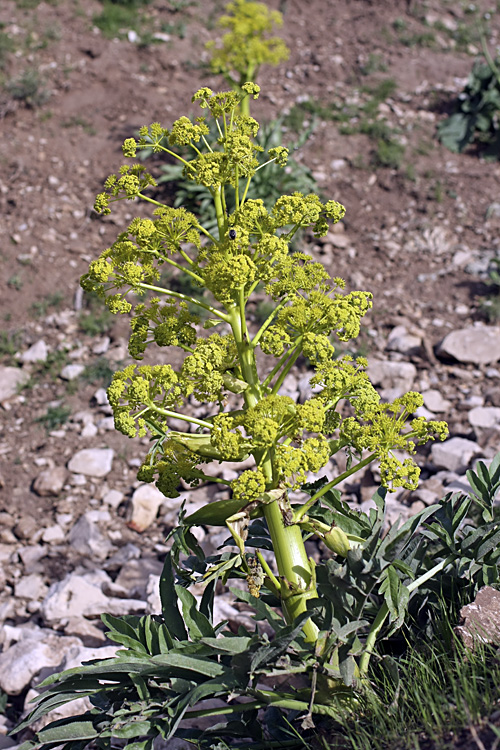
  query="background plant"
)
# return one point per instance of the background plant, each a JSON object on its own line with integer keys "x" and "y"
{"x": 333, "y": 614}
{"x": 477, "y": 115}
{"x": 247, "y": 45}
{"x": 238, "y": 56}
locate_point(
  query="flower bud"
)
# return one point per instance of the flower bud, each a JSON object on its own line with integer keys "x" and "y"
{"x": 336, "y": 540}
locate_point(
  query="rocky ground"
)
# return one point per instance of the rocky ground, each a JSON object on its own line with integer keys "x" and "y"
{"x": 78, "y": 534}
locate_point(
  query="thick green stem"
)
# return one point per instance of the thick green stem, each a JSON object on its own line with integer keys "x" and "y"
{"x": 294, "y": 568}
{"x": 178, "y": 415}
{"x": 295, "y": 573}
{"x": 246, "y": 356}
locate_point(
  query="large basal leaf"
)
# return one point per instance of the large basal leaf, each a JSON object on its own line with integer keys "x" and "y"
{"x": 71, "y": 729}
{"x": 456, "y": 132}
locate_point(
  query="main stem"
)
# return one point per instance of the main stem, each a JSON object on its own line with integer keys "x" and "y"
{"x": 294, "y": 569}
{"x": 297, "y": 585}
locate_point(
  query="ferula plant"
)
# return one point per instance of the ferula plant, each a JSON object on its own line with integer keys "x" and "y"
{"x": 247, "y": 44}
{"x": 322, "y": 619}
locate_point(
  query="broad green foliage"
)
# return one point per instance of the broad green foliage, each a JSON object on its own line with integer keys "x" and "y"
{"x": 476, "y": 118}
{"x": 170, "y": 662}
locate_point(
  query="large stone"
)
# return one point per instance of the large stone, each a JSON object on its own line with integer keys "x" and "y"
{"x": 86, "y": 538}
{"x": 92, "y": 462}
{"x": 72, "y": 371}
{"x": 134, "y": 575}
{"x": 23, "y": 660}
{"x": 485, "y": 417}
{"x": 82, "y": 596}
{"x": 144, "y": 507}
{"x": 12, "y": 379}
{"x": 36, "y": 353}
{"x": 400, "y": 340}
{"x": 454, "y": 454}
{"x": 434, "y": 401}
{"x": 480, "y": 621}
{"x": 479, "y": 345}
{"x": 30, "y": 587}
{"x": 50, "y": 481}
{"x": 397, "y": 376}
{"x": 74, "y": 596}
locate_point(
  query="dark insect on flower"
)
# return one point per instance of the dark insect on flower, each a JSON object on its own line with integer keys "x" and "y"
{"x": 232, "y": 234}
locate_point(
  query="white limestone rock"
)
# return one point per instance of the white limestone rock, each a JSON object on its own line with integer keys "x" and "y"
{"x": 82, "y": 596}
{"x": 86, "y": 538}
{"x": 401, "y": 340}
{"x": 72, "y": 372}
{"x": 36, "y": 353}
{"x": 454, "y": 454}
{"x": 435, "y": 402}
{"x": 485, "y": 417}
{"x": 12, "y": 379}
{"x": 397, "y": 376}
{"x": 50, "y": 481}
{"x": 144, "y": 506}
{"x": 92, "y": 462}
{"x": 479, "y": 345}
{"x": 36, "y": 650}
{"x": 30, "y": 587}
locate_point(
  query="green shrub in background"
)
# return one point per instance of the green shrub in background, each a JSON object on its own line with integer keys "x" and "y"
{"x": 477, "y": 117}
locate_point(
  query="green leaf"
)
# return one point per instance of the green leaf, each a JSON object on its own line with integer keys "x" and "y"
{"x": 70, "y": 729}
{"x": 125, "y": 625}
{"x": 229, "y": 644}
{"x": 262, "y": 610}
{"x": 141, "y": 745}
{"x": 279, "y": 645}
{"x": 456, "y": 132}
{"x": 134, "y": 727}
{"x": 200, "y": 665}
{"x": 488, "y": 545}
{"x": 478, "y": 487}
{"x": 216, "y": 513}
{"x": 483, "y": 473}
{"x": 207, "y": 601}
{"x": 396, "y": 596}
{"x": 51, "y": 702}
{"x": 210, "y": 689}
{"x": 347, "y": 668}
{"x": 198, "y": 624}
{"x": 168, "y": 597}
{"x": 494, "y": 470}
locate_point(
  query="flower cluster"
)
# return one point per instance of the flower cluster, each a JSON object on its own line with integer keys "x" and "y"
{"x": 311, "y": 311}
{"x": 246, "y": 45}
